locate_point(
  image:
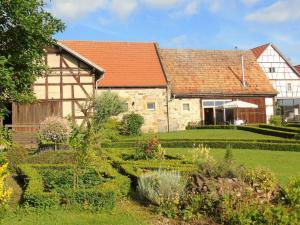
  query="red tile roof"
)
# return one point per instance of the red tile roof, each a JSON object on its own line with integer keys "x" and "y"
{"x": 259, "y": 50}
{"x": 208, "y": 72}
{"x": 126, "y": 64}
{"x": 298, "y": 68}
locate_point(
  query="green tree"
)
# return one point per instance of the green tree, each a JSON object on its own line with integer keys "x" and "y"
{"x": 26, "y": 29}
{"x": 108, "y": 104}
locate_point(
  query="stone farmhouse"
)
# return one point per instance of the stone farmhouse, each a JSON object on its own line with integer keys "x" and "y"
{"x": 284, "y": 77}
{"x": 169, "y": 87}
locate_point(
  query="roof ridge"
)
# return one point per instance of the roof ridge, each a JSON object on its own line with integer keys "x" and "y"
{"x": 109, "y": 41}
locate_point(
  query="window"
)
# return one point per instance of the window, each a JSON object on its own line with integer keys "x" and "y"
{"x": 151, "y": 105}
{"x": 186, "y": 107}
{"x": 289, "y": 87}
{"x": 272, "y": 70}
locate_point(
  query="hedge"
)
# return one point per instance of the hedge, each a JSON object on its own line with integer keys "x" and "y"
{"x": 103, "y": 196}
{"x": 265, "y": 131}
{"x": 280, "y": 128}
{"x": 34, "y": 194}
{"x": 237, "y": 144}
{"x": 199, "y": 126}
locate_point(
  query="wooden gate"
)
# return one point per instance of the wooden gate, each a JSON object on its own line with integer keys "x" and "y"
{"x": 34, "y": 114}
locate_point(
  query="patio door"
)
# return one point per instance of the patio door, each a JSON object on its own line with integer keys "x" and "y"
{"x": 209, "y": 116}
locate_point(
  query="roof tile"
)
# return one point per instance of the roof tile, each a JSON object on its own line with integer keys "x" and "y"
{"x": 126, "y": 64}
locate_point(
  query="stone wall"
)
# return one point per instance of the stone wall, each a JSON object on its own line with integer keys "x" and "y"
{"x": 180, "y": 116}
{"x": 137, "y": 99}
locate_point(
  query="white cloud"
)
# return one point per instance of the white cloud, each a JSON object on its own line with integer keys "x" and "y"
{"x": 178, "y": 41}
{"x": 215, "y": 6}
{"x": 74, "y": 9}
{"x": 161, "y": 3}
{"x": 250, "y": 2}
{"x": 123, "y": 8}
{"x": 190, "y": 9}
{"x": 280, "y": 11}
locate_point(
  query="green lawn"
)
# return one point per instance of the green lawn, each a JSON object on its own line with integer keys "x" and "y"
{"x": 283, "y": 164}
{"x": 211, "y": 134}
{"x": 126, "y": 213}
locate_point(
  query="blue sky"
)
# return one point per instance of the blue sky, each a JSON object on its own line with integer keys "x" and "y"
{"x": 204, "y": 24}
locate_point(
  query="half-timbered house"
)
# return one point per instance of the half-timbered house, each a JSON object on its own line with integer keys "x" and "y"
{"x": 284, "y": 77}
{"x": 69, "y": 81}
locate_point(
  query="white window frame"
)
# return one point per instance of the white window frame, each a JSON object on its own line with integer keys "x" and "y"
{"x": 188, "y": 107}
{"x": 151, "y": 103}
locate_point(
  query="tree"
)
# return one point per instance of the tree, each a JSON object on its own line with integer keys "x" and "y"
{"x": 108, "y": 104}
{"x": 26, "y": 29}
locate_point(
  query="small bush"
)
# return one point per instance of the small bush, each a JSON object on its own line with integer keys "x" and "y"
{"x": 5, "y": 193}
{"x": 108, "y": 104}
{"x": 131, "y": 124}
{"x": 150, "y": 150}
{"x": 109, "y": 132}
{"x": 292, "y": 192}
{"x": 161, "y": 187}
{"x": 54, "y": 130}
{"x": 16, "y": 155}
{"x": 5, "y": 137}
{"x": 276, "y": 120}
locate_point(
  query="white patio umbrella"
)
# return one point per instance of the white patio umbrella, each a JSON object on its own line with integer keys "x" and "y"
{"x": 239, "y": 104}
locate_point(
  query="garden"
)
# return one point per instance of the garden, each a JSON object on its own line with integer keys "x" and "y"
{"x": 107, "y": 171}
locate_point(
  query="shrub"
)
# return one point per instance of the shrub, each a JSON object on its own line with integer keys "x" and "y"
{"x": 276, "y": 133}
{"x": 131, "y": 124}
{"x": 55, "y": 130}
{"x": 34, "y": 194}
{"x": 5, "y": 137}
{"x": 260, "y": 179}
{"x": 276, "y": 120}
{"x": 161, "y": 187}
{"x": 109, "y": 132}
{"x": 5, "y": 192}
{"x": 292, "y": 192}
{"x": 150, "y": 150}
{"x": 108, "y": 104}
{"x": 16, "y": 155}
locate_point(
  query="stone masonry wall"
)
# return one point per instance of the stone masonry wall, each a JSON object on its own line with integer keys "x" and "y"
{"x": 137, "y": 98}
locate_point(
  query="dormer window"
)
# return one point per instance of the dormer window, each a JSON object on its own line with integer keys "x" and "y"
{"x": 272, "y": 70}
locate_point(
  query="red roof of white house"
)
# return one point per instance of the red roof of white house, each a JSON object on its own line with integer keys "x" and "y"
{"x": 126, "y": 64}
{"x": 259, "y": 50}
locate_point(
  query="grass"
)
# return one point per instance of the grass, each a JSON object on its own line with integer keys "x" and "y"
{"x": 126, "y": 213}
{"x": 283, "y": 164}
{"x": 210, "y": 134}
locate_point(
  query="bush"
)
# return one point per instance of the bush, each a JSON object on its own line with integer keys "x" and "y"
{"x": 34, "y": 194}
{"x": 276, "y": 120}
{"x": 194, "y": 126}
{"x": 131, "y": 124}
{"x": 292, "y": 193}
{"x": 109, "y": 132}
{"x": 16, "y": 155}
{"x": 150, "y": 150}
{"x": 5, "y": 193}
{"x": 108, "y": 104}
{"x": 161, "y": 186}
{"x": 54, "y": 130}
{"x": 5, "y": 137}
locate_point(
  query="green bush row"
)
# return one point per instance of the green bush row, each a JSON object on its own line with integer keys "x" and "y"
{"x": 280, "y": 128}
{"x": 102, "y": 196}
{"x": 199, "y": 126}
{"x": 241, "y": 144}
{"x": 270, "y": 132}
{"x": 34, "y": 194}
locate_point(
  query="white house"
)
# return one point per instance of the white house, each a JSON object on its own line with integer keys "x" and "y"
{"x": 284, "y": 77}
